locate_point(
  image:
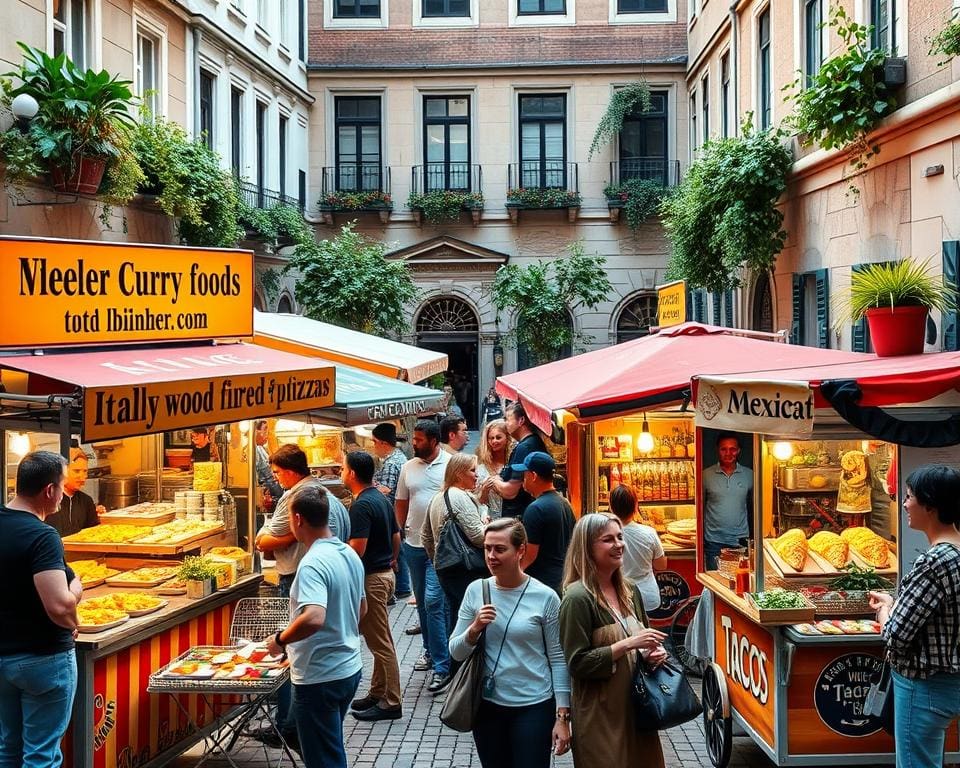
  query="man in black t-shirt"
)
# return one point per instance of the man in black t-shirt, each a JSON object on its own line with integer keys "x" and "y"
{"x": 375, "y": 536}
{"x": 509, "y": 485}
{"x": 548, "y": 520}
{"x": 38, "y": 665}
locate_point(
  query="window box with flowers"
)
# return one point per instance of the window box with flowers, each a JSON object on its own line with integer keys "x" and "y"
{"x": 445, "y": 205}
{"x": 542, "y": 198}
{"x": 639, "y": 199}
{"x": 337, "y": 202}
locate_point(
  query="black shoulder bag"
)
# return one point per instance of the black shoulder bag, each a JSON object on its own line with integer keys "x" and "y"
{"x": 466, "y": 689}
{"x": 454, "y": 551}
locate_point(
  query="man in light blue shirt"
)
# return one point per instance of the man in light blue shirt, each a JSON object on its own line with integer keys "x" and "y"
{"x": 727, "y": 501}
{"x": 322, "y": 640}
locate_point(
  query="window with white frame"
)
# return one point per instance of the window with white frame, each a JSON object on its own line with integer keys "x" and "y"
{"x": 356, "y": 14}
{"x": 262, "y": 13}
{"x": 693, "y": 124}
{"x": 883, "y": 18}
{"x": 541, "y": 12}
{"x": 705, "y": 107}
{"x": 812, "y": 37}
{"x": 725, "y": 95}
{"x": 148, "y": 82}
{"x": 206, "y": 104}
{"x": 285, "y": 25}
{"x": 642, "y": 11}
{"x": 71, "y": 21}
{"x": 764, "y": 71}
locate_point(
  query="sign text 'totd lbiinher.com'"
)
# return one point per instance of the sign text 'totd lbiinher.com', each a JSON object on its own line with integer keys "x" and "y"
{"x": 55, "y": 293}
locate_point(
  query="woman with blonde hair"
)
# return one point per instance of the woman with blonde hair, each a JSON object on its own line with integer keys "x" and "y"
{"x": 456, "y": 505}
{"x": 492, "y": 452}
{"x": 603, "y": 627}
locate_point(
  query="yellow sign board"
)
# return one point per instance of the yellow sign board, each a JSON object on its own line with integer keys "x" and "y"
{"x": 671, "y": 304}
{"x": 67, "y": 292}
{"x": 143, "y": 408}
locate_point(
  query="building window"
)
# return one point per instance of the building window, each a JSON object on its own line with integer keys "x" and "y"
{"x": 764, "y": 69}
{"x": 811, "y": 309}
{"x": 261, "y": 129}
{"x": 883, "y": 15}
{"x": 541, "y": 7}
{"x": 543, "y": 141}
{"x": 302, "y": 188}
{"x": 206, "y": 107}
{"x": 641, "y": 6}
{"x": 236, "y": 128}
{"x": 636, "y": 318}
{"x": 694, "y": 137}
{"x": 358, "y": 143}
{"x": 282, "y": 155}
{"x": 705, "y": 107}
{"x": 643, "y": 143}
{"x": 147, "y": 74}
{"x": 70, "y": 20}
{"x": 285, "y": 23}
{"x": 301, "y": 30}
{"x": 445, "y": 8}
{"x": 356, "y": 9}
{"x": 262, "y": 13}
{"x": 446, "y": 142}
{"x": 813, "y": 37}
{"x": 725, "y": 95}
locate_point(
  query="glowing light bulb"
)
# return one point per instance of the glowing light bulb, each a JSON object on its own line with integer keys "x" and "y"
{"x": 782, "y": 450}
{"x": 20, "y": 444}
{"x": 645, "y": 442}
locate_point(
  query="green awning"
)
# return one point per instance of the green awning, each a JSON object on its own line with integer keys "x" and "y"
{"x": 367, "y": 398}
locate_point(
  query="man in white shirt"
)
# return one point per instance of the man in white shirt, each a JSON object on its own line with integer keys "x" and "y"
{"x": 420, "y": 480}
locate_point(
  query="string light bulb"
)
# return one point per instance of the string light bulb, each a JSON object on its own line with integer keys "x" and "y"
{"x": 20, "y": 444}
{"x": 645, "y": 441}
{"x": 782, "y": 450}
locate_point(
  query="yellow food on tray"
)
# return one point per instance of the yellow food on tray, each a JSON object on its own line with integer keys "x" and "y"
{"x": 106, "y": 534}
{"x": 90, "y": 570}
{"x": 207, "y": 475}
{"x": 854, "y": 491}
{"x": 868, "y": 545}
{"x": 792, "y": 547}
{"x": 91, "y": 615}
{"x": 176, "y": 531}
{"x": 830, "y": 547}
{"x": 147, "y": 574}
{"x": 125, "y": 601}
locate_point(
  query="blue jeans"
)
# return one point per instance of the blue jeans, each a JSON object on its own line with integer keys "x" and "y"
{"x": 36, "y": 698}
{"x": 285, "y": 722}
{"x": 431, "y": 606}
{"x": 319, "y": 711}
{"x": 403, "y": 575}
{"x": 711, "y": 552}
{"x": 923, "y": 709}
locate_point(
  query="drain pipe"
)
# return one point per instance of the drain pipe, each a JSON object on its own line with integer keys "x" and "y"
{"x": 735, "y": 64}
{"x": 197, "y": 39}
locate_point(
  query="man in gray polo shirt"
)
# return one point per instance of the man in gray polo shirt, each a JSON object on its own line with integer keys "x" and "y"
{"x": 727, "y": 501}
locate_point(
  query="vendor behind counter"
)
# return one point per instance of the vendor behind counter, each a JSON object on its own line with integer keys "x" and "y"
{"x": 77, "y": 510}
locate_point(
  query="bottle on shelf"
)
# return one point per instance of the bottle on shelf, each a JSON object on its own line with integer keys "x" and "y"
{"x": 614, "y": 476}
{"x": 625, "y": 475}
{"x": 603, "y": 486}
{"x": 743, "y": 576}
{"x": 664, "y": 485}
{"x": 691, "y": 483}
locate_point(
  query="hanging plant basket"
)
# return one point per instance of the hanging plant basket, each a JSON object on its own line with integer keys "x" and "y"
{"x": 85, "y": 179}
{"x": 897, "y": 330}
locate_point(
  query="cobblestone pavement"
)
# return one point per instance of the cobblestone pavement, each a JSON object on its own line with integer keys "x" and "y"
{"x": 419, "y": 740}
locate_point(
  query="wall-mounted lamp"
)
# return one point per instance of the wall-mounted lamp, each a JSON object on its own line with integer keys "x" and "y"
{"x": 497, "y": 353}
{"x": 24, "y": 108}
{"x": 782, "y": 450}
{"x": 20, "y": 444}
{"x": 645, "y": 441}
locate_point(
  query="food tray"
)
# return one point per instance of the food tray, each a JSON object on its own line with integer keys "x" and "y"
{"x": 161, "y": 590}
{"x": 810, "y": 567}
{"x": 160, "y": 682}
{"x": 775, "y": 616}
{"x": 145, "y": 611}
{"x": 824, "y": 564}
{"x": 101, "y": 627}
{"x": 890, "y": 570}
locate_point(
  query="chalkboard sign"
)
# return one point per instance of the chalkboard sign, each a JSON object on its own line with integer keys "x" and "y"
{"x": 841, "y": 691}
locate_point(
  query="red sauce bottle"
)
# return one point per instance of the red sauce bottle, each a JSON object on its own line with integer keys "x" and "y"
{"x": 743, "y": 576}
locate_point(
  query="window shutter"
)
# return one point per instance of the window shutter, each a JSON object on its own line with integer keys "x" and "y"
{"x": 951, "y": 266}
{"x": 716, "y": 307}
{"x": 728, "y": 308}
{"x": 859, "y": 336}
{"x": 796, "y": 325}
{"x": 821, "y": 277}
{"x": 698, "y": 309}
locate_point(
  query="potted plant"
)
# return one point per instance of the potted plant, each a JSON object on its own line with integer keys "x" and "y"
{"x": 373, "y": 200}
{"x": 441, "y": 205}
{"x": 542, "y": 198}
{"x": 200, "y": 575}
{"x": 83, "y": 126}
{"x": 638, "y": 198}
{"x": 895, "y": 298}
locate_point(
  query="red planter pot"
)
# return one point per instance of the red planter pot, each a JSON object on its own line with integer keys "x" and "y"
{"x": 85, "y": 179}
{"x": 898, "y": 330}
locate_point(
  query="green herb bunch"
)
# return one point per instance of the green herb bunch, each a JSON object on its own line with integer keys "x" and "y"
{"x": 444, "y": 204}
{"x": 640, "y": 199}
{"x": 779, "y": 600}
{"x": 629, "y": 100}
{"x": 860, "y": 579}
{"x": 542, "y": 197}
{"x": 196, "y": 568}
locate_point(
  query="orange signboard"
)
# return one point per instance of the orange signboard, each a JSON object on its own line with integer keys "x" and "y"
{"x": 67, "y": 292}
{"x": 744, "y": 651}
{"x": 672, "y": 304}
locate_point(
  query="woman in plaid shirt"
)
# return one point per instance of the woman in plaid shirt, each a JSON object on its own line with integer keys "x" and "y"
{"x": 922, "y": 627}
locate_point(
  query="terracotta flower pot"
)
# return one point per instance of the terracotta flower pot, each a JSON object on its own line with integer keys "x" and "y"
{"x": 85, "y": 179}
{"x": 898, "y": 330}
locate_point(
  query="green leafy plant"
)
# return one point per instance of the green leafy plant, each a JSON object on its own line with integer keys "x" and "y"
{"x": 277, "y": 223}
{"x": 723, "y": 216}
{"x": 542, "y": 197}
{"x": 841, "y": 104}
{"x": 348, "y": 281}
{"x": 860, "y": 579}
{"x": 947, "y": 41}
{"x": 196, "y": 568}
{"x": 270, "y": 280}
{"x": 543, "y": 294}
{"x": 625, "y": 101}
{"x": 639, "y": 198}
{"x": 18, "y": 153}
{"x": 356, "y": 201}
{"x": 189, "y": 183}
{"x": 904, "y": 283}
{"x": 444, "y": 204}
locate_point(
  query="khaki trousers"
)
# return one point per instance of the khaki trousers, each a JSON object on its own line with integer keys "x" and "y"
{"x": 375, "y": 628}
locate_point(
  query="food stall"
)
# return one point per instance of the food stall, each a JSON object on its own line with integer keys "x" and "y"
{"x": 621, "y": 412}
{"x": 795, "y": 644}
{"x": 122, "y": 349}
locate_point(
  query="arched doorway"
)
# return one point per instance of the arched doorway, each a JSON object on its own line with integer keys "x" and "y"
{"x": 763, "y": 304}
{"x": 450, "y": 325}
{"x": 285, "y": 305}
{"x": 636, "y": 317}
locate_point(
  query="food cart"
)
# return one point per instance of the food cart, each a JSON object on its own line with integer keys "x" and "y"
{"x": 796, "y": 649}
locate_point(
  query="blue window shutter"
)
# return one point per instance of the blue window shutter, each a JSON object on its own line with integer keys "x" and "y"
{"x": 728, "y": 308}
{"x": 860, "y": 333}
{"x": 951, "y": 268}
{"x": 821, "y": 278}
{"x": 716, "y": 307}
{"x": 796, "y": 324}
{"x": 698, "y": 309}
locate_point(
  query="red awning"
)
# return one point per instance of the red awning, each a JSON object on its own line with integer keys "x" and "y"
{"x": 656, "y": 369}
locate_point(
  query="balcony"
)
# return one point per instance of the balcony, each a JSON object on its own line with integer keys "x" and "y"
{"x": 260, "y": 198}
{"x": 542, "y": 185}
{"x": 639, "y": 182}
{"x": 355, "y": 187}
{"x": 440, "y": 191}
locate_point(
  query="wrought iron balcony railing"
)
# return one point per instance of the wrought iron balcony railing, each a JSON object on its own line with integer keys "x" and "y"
{"x": 444, "y": 177}
{"x": 543, "y": 174}
{"x": 657, "y": 169}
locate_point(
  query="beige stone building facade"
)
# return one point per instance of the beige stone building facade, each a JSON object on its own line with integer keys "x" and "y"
{"x": 908, "y": 201}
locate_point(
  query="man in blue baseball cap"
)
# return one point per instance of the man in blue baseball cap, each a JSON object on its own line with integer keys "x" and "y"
{"x": 548, "y": 519}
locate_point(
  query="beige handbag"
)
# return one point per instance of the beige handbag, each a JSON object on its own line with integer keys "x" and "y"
{"x": 466, "y": 689}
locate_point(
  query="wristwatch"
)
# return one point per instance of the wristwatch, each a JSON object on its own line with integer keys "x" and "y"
{"x": 278, "y": 641}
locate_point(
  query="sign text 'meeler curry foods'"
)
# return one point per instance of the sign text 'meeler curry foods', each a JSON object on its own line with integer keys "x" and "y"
{"x": 60, "y": 292}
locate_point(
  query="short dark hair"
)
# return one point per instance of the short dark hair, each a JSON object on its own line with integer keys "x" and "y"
{"x": 623, "y": 502}
{"x": 200, "y": 431}
{"x": 259, "y": 423}
{"x": 937, "y": 487}
{"x": 292, "y": 457}
{"x": 517, "y": 409}
{"x": 311, "y": 503}
{"x": 728, "y": 436}
{"x": 449, "y": 425}
{"x": 361, "y": 463}
{"x": 37, "y": 470}
{"x": 429, "y": 429}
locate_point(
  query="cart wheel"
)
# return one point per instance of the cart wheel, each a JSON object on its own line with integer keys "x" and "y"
{"x": 678, "y": 635}
{"x": 717, "y": 720}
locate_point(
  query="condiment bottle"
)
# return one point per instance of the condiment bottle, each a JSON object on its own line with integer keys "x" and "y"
{"x": 743, "y": 576}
